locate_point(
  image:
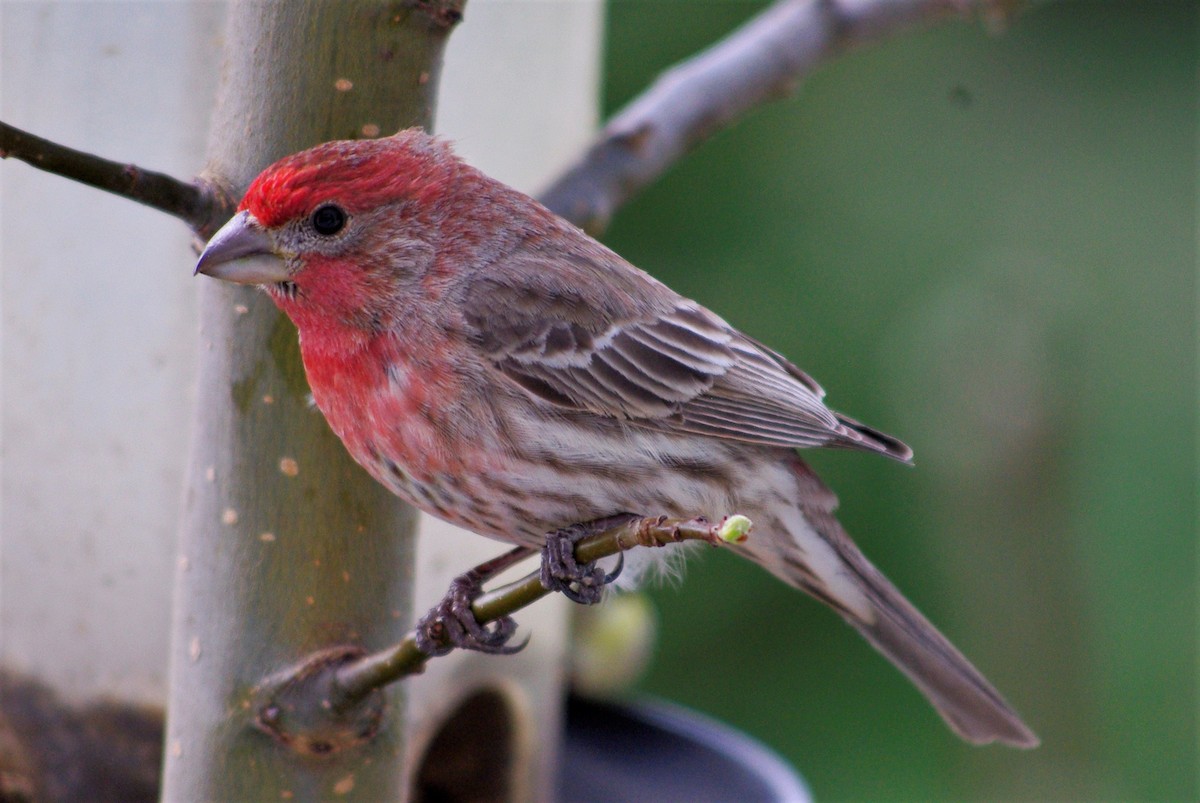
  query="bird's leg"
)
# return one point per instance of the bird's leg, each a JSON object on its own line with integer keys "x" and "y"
{"x": 451, "y": 623}
{"x": 561, "y": 572}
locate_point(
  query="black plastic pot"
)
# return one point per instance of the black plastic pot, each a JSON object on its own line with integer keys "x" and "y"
{"x": 653, "y": 751}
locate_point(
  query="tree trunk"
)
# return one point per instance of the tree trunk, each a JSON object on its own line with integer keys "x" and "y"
{"x": 287, "y": 547}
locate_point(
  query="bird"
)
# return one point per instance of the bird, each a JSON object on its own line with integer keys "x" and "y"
{"x": 496, "y": 367}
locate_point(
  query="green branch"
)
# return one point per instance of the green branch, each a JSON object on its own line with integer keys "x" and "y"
{"x": 357, "y": 679}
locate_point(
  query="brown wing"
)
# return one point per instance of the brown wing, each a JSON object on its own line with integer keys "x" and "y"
{"x": 587, "y": 331}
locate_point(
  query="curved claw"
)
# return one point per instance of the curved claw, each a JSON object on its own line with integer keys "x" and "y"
{"x": 449, "y": 626}
{"x": 560, "y": 571}
{"x": 493, "y": 638}
{"x": 514, "y": 648}
{"x": 616, "y": 572}
{"x": 452, "y": 624}
{"x": 581, "y": 592}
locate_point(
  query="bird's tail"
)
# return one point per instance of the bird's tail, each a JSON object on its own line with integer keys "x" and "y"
{"x": 821, "y": 559}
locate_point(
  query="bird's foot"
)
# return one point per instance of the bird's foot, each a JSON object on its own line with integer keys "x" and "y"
{"x": 452, "y": 624}
{"x": 582, "y": 583}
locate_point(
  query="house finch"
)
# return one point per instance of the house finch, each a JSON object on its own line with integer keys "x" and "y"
{"x": 496, "y": 367}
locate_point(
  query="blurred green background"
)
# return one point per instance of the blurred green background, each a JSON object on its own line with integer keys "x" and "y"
{"x": 983, "y": 243}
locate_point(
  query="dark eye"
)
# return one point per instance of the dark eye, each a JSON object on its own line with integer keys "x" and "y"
{"x": 328, "y": 220}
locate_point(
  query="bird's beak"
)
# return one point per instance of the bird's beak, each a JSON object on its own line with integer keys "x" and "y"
{"x": 242, "y": 251}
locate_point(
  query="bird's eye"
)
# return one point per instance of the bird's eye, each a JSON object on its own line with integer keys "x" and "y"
{"x": 328, "y": 220}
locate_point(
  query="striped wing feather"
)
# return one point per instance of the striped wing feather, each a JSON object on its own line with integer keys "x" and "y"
{"x": 644, "y": 354}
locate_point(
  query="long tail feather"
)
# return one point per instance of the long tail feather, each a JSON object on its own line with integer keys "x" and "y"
{"x": 822, "y": 560}
{"x": 970, "y": 705}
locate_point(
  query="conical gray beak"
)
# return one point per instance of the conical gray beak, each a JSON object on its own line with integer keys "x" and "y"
{"x": 243, "y": 252}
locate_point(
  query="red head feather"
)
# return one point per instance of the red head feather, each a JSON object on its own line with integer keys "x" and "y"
{"x": 359, "y": 174}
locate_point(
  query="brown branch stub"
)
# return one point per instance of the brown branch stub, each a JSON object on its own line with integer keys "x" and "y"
{"x": 201, "y": 204}
{"x": 295, "y": 707}
{"x": 764, "y": 60}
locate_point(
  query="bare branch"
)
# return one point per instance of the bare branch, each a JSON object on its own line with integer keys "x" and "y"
{"x": 201, "y": 205}
{"x": 331, "y": 700}
{"x": 763, "y": 60}
{"x": 357, "y": 679}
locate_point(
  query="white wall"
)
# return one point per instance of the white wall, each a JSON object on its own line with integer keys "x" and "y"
{"x": 98, "y": 316}
{"x": 98, "y": 336}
